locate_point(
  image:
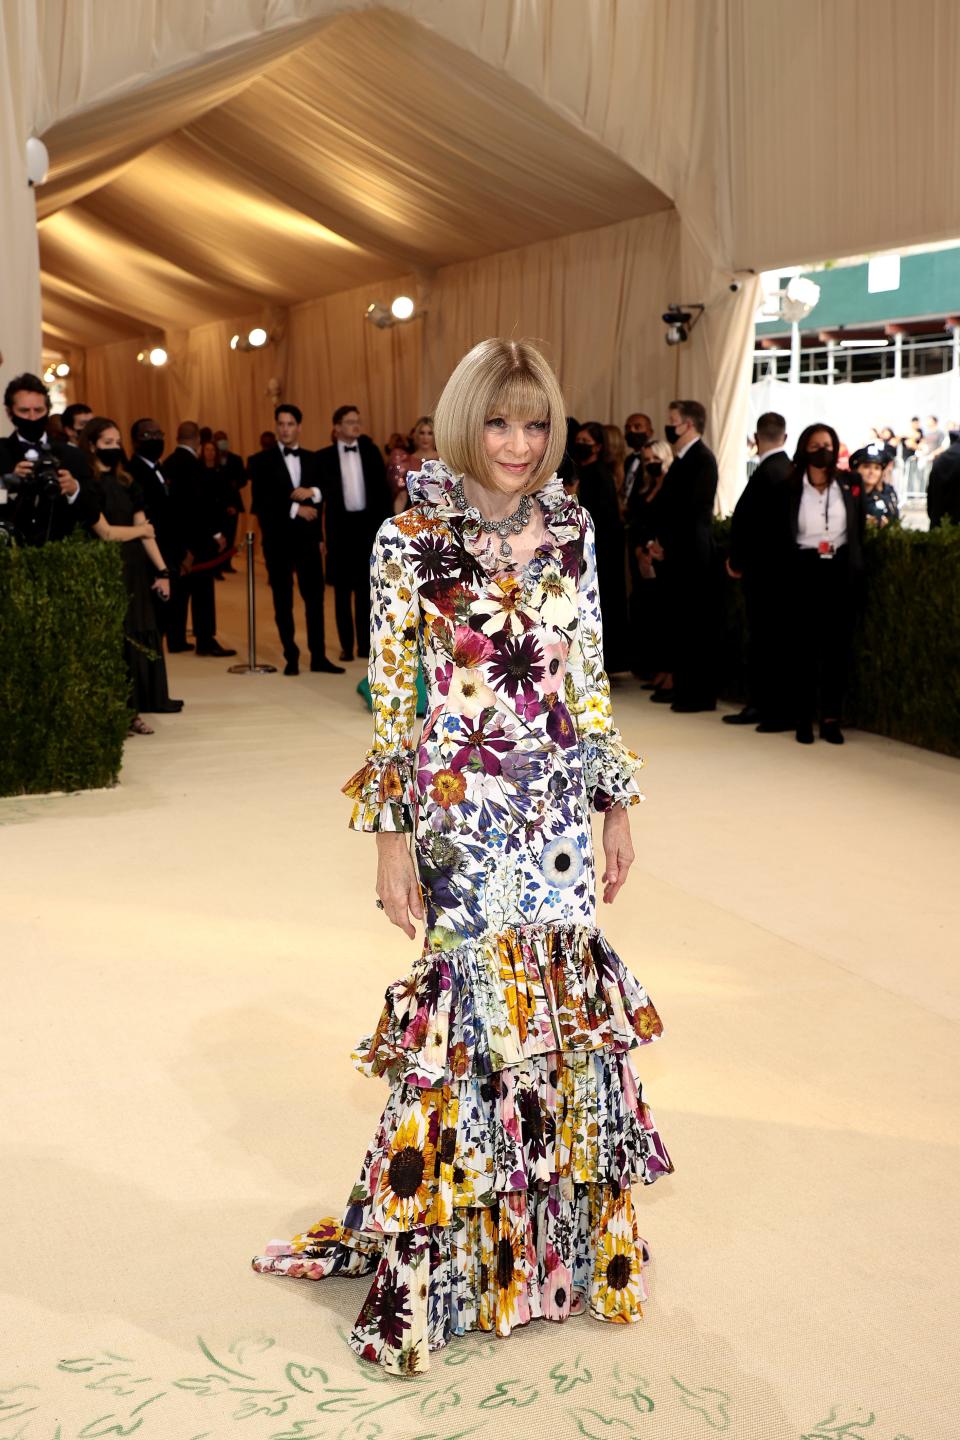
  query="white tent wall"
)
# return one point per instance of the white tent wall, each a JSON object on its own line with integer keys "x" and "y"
{"x": 855, "y": 409}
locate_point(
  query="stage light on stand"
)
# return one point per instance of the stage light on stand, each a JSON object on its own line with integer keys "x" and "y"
{"x": 155, "y": 356}
{"x": 234, "y": 341}
{"x": 62, "y": 370}
{"x": 257, "y": 337}
{"x": 402, "y": 308}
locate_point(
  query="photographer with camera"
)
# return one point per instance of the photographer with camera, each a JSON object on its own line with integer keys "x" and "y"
{"x": 45, "y": 481}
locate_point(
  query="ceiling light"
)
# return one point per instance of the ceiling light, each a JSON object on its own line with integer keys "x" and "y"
{"x": 402, "y": 307}
{"x": 258, "y": 337}
{"x": 862, "y": 344}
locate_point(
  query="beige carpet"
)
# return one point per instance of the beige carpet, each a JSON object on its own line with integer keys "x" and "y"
{"x": 189, "y": 958}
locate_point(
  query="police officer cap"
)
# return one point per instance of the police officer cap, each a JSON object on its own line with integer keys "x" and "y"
{"x": 872, "y": 455}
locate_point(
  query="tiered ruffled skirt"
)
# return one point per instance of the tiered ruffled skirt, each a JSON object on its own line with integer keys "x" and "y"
{"x": 497, "y": 1186}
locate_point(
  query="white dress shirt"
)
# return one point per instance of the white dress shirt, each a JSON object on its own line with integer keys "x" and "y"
{"x": 688, "y": 446}
{"x": 292, "y": 463}
{"x": 822, "y": 518}
{"x": 351, "y": 472}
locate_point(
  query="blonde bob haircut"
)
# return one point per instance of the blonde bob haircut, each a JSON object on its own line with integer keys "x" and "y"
{"x": 508, "y": 378}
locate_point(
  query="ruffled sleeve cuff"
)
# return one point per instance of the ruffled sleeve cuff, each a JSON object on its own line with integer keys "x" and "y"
{"x": 610, "y": 771}
{"x": 383, "y": 792}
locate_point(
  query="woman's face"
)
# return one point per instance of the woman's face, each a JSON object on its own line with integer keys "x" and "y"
{"x": 514, "y": 448}
{"x": 209, "y": 453}
{"x": 586, "y": 439}
{"x": 871, "y": 475}
{"x": 819, "y": 440}
{"x": 423, "y": 436}
{"x": 109, "y": 439}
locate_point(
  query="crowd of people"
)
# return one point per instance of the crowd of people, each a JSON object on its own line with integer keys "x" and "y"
{"x": 796, "y": 538}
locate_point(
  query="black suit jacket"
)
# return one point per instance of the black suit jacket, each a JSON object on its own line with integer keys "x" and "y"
{"x": 39, "y": 519}
{"x": 196, "y": 507}
{"x": 686, "y": 501}
{"x": 943, "y": 487}
{"x": 270, "y": 498}
{"x": 159, "y": 508}
{"x": 341, "y": 547}
{"x": 750, "y": 549}
{"x": 792, "y": 492}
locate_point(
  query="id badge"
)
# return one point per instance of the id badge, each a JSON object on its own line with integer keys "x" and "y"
{"x": 825, "y": 550}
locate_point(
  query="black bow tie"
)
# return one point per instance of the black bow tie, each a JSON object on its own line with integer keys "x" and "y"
{"x": 291, "y": 449}
{"x": 355, "y": 448}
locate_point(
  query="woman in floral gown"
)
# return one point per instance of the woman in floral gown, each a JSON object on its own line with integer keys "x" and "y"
{"x": 497, "y": 1188}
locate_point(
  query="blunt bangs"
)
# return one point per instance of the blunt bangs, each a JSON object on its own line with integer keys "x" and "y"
{"x": 498, "y": 377}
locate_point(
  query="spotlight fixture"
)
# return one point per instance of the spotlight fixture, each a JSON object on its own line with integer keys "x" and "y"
{"x": 254, "y": 339}
{"x": 680, "y": 320}
{"x": 62, "y": 370}
{"x": 155, "y": 356}
{"x": 798, "y": 299}
{"x": 401, "y": 309}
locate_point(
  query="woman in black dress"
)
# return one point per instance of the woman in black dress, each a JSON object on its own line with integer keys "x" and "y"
{"x": 597, "y": 493}
{"x": 144, "y": 571}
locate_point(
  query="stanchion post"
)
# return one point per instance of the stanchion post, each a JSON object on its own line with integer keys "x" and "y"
{"x": 251, "y": 667}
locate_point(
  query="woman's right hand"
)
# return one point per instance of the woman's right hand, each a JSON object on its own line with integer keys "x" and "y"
{"x": 397, "y": 884}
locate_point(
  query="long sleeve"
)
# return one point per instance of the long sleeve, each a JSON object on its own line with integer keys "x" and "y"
{"x": 610, "y": 769}
{"x": 383, "y": 787}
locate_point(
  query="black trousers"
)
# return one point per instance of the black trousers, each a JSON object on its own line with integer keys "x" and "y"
{"x": 822, "y": 615}
{"x": 285, "y": 558}
{"x": 197, "y": 592}
{"x": 691, "y": 597}
{"x": 769, "y": 684}
{"x": 351, "y": 580}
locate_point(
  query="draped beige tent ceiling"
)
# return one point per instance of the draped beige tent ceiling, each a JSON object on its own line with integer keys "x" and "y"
{"x": 371, "y": 150}
{"x": 214, "y": 160}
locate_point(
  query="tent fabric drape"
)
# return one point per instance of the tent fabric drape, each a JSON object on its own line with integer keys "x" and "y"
{"x": 213, "y": 160}
{"x": 592, "y": 301}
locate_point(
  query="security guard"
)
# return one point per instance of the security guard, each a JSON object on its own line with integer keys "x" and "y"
{"x": 880, "y": 504}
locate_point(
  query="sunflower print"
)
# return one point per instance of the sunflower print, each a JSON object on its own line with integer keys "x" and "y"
{"x": 497, "y": 1189}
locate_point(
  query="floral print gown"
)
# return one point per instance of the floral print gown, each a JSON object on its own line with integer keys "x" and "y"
{"x": 497, "y": 1188}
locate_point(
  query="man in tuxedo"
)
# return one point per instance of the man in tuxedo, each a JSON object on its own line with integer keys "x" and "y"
{"x": 754, "y": 558}
{"x": 197, "y": 523}
{"x": 353, "y": 478}
{"x": 685, "y": 537}
{"x": 40, "y": 517}
{"x": 637, "y": 431}
{"x": 288, "y": 502}
{"x": 147, "y": 442}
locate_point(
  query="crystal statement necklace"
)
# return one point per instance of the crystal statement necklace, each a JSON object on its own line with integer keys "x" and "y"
{"x": 509, "y": 525}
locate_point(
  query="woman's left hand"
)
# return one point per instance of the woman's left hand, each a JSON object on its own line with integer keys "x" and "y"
{"x": 617, "y": 849}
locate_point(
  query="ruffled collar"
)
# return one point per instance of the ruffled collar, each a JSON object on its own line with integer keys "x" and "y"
{"x": 433, "y": 486}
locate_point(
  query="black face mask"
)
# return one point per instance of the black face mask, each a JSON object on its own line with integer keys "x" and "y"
{"x": 636, "y": 438}
{"x": 654, "y": 468}
{"x": 111, "y": 458}
{"x": 670, "y": 431}
{"x": 582, "y": 451}
{"x": 30, "y": 429}
{"x": 822, "y": 458}
{"x": 151, "y": 449}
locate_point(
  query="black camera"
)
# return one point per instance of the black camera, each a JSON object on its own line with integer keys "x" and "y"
{"x": 43, "y": 480}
